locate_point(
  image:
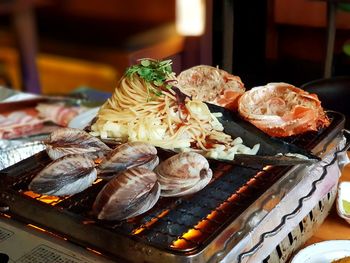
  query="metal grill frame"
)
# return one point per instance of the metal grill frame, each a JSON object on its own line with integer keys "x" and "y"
{"x": 69, "y": 225}
{"x": 296, "y": 238}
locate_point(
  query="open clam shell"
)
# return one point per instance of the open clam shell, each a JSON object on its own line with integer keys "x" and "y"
{"x": 343, "y": 201}
{"x": 183, "y": 174}
{"x": 129, "y": 194}
{"x": 66, "y": 141}
{"x": 128, "y": 155}
{"x": 67, "y": 175}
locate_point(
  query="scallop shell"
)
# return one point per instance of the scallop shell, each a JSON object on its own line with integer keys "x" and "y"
{"x": 66, "y": 141}
{"x": 126, "y": 156}
{"x": 129, "y": 194}
{"x": 67, "y": 175}
{"x": 183, "y": 173}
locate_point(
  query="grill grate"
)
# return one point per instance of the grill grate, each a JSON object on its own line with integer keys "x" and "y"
{"x": 177, "y": 225}
{"x": 44, "y": 254}
{"x": 5, "y": 234}
{"x": 167, "y": 224}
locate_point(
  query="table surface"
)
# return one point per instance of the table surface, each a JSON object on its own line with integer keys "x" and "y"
{"x": 334, "y": 227}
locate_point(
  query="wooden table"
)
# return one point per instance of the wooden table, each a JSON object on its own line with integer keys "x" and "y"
{"x": 334, "y": 227}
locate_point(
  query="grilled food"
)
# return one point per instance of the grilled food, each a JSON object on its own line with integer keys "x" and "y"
{"x": 66, "y": 141}
{"x": 67, "y": 175}
{"x": 126, "y": 156}
{"x": 183, "y": 174}
{"x": 129, "y": 194}
{"x": 145, "y": 107}
{"x": 281, "y": 110}
{"x": 213, "y": 85}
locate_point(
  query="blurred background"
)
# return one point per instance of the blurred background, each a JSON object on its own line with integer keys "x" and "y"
{"x": 56, "y": 46}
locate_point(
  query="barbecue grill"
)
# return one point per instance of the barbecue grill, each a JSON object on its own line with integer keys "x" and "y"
{"x": 246, "y": 214}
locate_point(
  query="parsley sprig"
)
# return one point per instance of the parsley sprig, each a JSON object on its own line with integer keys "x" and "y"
{"x": 156, "y": 72}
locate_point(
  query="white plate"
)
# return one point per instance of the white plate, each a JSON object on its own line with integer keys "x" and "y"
{"x": 82, "y": 120}
{"x": 343, "y": 195}
{"x": 323, "y": 252}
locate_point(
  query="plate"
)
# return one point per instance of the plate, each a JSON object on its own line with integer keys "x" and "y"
{"x": 323, "y": 252}
{"x": 82, "y": 120}
{"x": 343, "y": 195}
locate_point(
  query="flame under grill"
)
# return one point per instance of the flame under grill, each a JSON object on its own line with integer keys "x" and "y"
{"x": 176, "y": 226}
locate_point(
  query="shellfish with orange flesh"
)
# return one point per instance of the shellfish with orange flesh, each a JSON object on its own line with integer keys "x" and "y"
{"x": 213, "y": 85}
{"x": 281, "y": 110}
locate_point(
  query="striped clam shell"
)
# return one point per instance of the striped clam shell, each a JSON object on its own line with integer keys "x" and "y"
{"x": 66, "y": 141}
{"x": 67, "y": 175}
{"x": 183, "y": 174}
{"x": 129, "y": 194}
{"x": 128, "y": 155}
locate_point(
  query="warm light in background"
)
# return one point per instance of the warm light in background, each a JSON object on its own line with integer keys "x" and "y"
{"x": 190, "y": 17}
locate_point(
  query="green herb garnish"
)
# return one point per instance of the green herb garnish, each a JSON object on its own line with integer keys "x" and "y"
{"x": 154, "y": 72}
{"x": 346, "y": 206}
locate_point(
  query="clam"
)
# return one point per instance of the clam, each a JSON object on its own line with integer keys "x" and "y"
{"x": 67, "y": 175}
{"x": 128, "y": 155}
{"x": 129, "y": 194}
{"x": 66, "y": 141}
{"x": 183, "y": 174}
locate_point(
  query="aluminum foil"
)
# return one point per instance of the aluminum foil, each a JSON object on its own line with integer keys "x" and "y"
{"x": 12, "y": 152}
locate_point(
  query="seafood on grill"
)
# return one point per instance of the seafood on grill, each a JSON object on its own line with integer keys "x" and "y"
{"x": 182, "y": 174}
{"x": 66, "y": 141}
{"x": 129, "y": 194}
{"x": 67, "y": 175}
{"x": 154, "y": 111}
{"x": 213, "y": 85}
{"x": 126, "y": 156}
{"x": 281, "y": 109}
